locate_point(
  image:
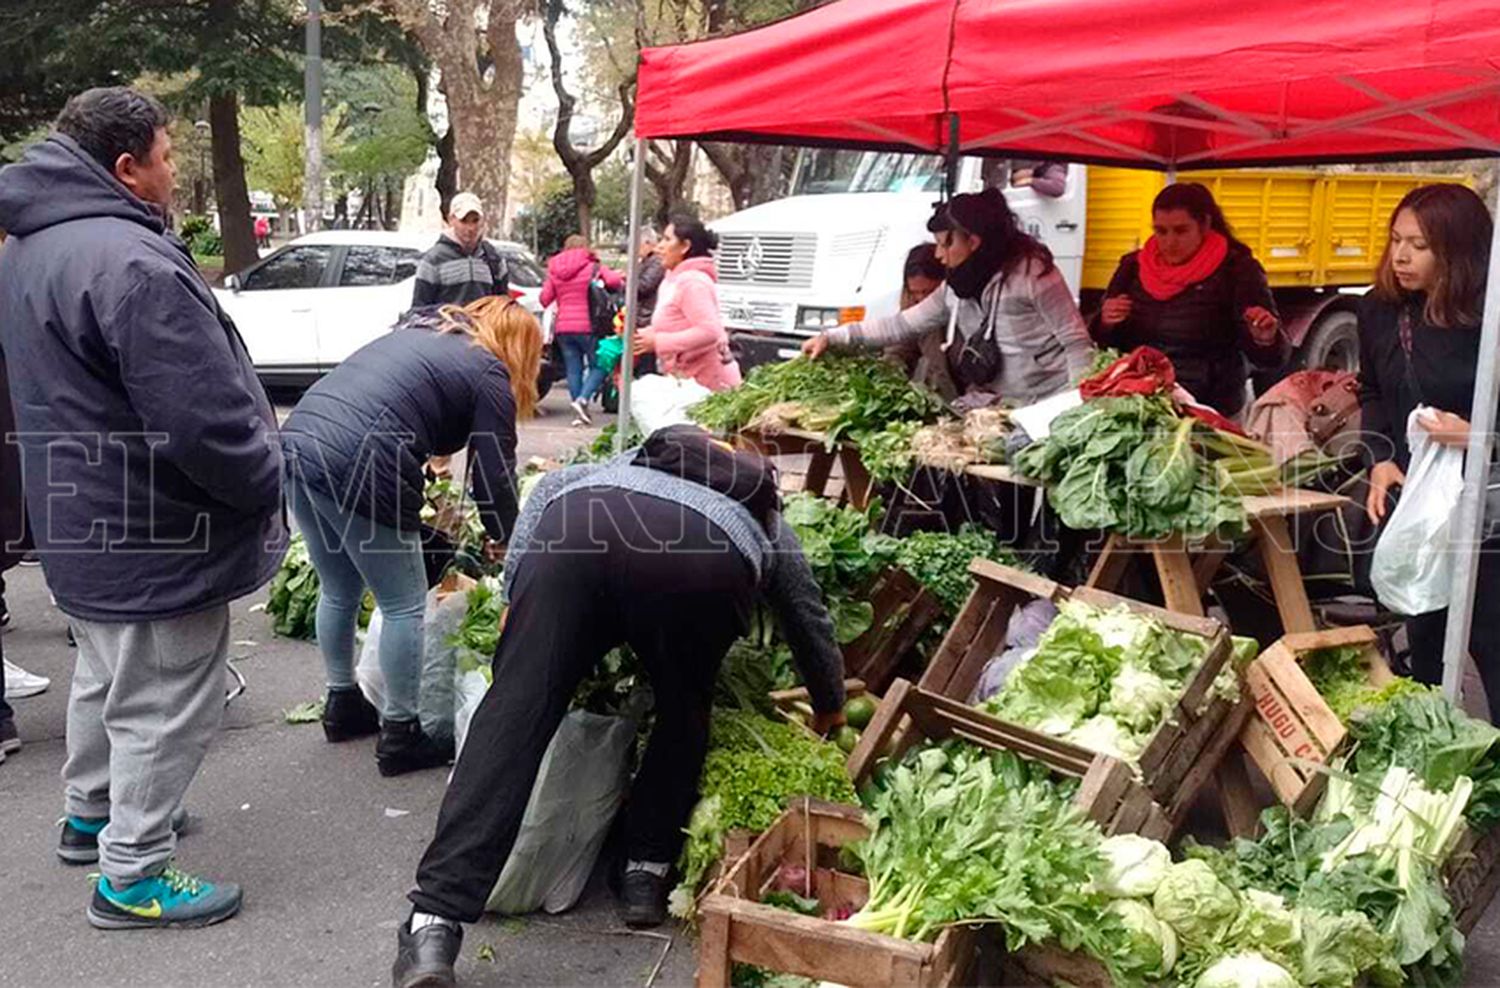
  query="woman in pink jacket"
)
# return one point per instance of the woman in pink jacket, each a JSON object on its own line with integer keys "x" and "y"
{"x": 568, "y": 276}
{"x": 687, "y": 332}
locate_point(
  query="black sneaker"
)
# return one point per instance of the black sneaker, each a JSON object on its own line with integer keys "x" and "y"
{"x": 424, "y": 959}
{"x": 10, "y": 738}
{"x": 79, "y": 842}
{"x": 643, "y": 899}
{"x": 403, "y": 747}
{"x": 348, "y": 715}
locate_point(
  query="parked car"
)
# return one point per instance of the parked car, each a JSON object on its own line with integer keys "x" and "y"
{"x": 306, "y": 306}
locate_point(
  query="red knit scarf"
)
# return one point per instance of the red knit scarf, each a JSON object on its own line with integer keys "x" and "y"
{"x": 1163, "y": 281}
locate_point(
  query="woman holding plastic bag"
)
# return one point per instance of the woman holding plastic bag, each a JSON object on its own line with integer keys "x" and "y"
{"x": 446, "y": 378}
{"x": 665, "y": 548}
{"x": 1419, "y": 349}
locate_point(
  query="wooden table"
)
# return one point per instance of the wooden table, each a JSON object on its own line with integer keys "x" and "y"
{"x": 815, "y": 445}
{"x": 1185, "y": 571}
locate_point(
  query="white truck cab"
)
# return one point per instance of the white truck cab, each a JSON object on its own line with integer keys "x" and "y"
{"x": 833, "y": 251}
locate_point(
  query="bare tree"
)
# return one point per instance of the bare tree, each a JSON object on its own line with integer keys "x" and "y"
{"x": 668, "y": 168}
{"x": 473, "y": 44}
{"x": 579, "y": 163}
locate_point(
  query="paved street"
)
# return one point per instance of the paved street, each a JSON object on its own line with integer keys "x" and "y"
{"x": 323, "y": 845}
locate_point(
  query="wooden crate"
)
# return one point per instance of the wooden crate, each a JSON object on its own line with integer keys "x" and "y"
{"x": 1186, "y": 749}
{"x": 1109, "y": 793}
{"x": 904, "y": 610}
{"x": 737, "y": 928}
{"x": 454, "y": 582}
{"x": 1042, "y": 965}
{"x": 1472, "y": 875}
{"x": 1293, "y": 733}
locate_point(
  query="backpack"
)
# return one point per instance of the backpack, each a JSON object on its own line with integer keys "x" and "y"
{"x": 691, "y": 453}
{"x": 602, "y": 306}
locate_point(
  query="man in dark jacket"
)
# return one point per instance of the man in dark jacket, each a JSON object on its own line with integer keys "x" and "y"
{"x": 461, "y": 267}
{"x": 153, "y": 483}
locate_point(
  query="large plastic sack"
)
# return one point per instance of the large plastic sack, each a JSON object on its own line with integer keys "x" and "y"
{"x": 657, "y": 401}
{"x": 578, "y": 791}
{"x": 436, "y": 702}
{"x": 1412, "y": 570}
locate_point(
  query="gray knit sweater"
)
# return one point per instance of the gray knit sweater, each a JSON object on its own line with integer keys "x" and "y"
{"x": 781, "y": 570}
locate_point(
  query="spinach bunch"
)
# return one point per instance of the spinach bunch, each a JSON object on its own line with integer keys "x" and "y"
{"x": 294, "y": 592}
{"x": 1131, "y": 465}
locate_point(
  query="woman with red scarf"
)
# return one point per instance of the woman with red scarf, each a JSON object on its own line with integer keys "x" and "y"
{"x": 1197, "y": 294}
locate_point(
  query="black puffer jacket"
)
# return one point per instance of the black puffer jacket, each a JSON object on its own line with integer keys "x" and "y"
{"x": 362, "y": 434}
{"x": 1202, "y": 329}
{"x": 153, "y": 475}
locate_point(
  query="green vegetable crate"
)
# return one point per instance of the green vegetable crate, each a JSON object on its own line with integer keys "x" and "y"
{"x": 1294, "y": 732}
{"x": 801, "y": 849}
{"x": 1182, "y": 754}
{"x": 903, "y": 611}
{"x": 1108, "y": 792}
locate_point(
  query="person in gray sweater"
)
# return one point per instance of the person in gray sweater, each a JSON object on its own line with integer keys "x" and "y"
{"x": 604, "y": 555}
{"x": 1009, "y": 325}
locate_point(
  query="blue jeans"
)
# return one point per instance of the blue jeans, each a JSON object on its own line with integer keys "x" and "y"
{"x": 578, "y": 355}
{"x": 351, "y": 552}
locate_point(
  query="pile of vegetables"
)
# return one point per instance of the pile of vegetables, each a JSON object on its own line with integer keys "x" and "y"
{"x": 1340, "y": 675}
{"x": 293, "y": 600}
{"x": 1103, "y": 679}
{"x": 862, "y": 399}
{"x": 1130, "y": 464}
{"x": 754, "y": 766}
{"x": 477, "y": 636}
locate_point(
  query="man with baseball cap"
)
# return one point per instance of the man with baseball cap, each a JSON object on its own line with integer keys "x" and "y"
{"x": 462, "y": 266}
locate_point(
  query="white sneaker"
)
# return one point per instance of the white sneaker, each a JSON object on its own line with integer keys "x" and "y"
{"x": 582, "y": 411}
{"x": 19, "y": 683}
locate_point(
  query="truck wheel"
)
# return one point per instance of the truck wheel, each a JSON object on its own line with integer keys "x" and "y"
{"x": 1333, "y": 343}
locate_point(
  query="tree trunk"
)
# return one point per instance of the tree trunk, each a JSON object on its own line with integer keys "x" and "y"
{"x": 392, "y": 203}
{"x": 668, "y": 167}
{"x": 447, "y": 173}
{"x": 585, "y": 194}
{"x": 233, "y": 196}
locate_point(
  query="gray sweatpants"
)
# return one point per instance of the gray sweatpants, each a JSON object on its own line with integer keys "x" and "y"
{"x": 147, "y": 699}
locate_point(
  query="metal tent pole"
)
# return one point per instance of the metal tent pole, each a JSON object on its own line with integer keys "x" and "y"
{"x": 632, "y": 272}
{"x": 1468, "y": 521}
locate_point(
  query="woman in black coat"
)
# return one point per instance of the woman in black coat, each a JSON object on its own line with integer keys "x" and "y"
{"x": 355, "y": 447}
{"x": 1197, "y": 294}
{"x": 1419, "y": 345}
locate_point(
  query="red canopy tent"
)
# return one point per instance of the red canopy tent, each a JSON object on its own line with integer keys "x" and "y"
{"x": 1158, "y": 84}
{"x": 1166, "y": 84}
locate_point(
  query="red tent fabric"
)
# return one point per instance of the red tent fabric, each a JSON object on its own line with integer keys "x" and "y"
{"x": 1154, "y": 83}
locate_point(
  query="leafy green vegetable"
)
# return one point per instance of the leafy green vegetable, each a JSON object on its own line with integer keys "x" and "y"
{"x": 1248, "y": 970}
{"x": 304, "y": 713}
{"x": 294, "y": 591}
{"x": 1102, "y": 679}
{"x": 1130, "y": 464}
{"x": 754, "y": 766}
{"x": 479, "y": 633}
{"x": 1198, "y": 905}
{"x": 1133, "y": 866}
{"x": 1425, "y": 733}
{"x": 1150, "y": 944}
{"x": 960, "y": 834}
{"x": 792, "y": 903}
{"x": 940, "y": 561}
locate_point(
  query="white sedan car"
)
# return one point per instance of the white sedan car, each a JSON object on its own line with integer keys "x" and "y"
{"x": 306, "y": 306}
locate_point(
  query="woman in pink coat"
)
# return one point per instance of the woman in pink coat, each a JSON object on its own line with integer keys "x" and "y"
{"x": 687, "y": 332}
{"x": 568, "y": 276}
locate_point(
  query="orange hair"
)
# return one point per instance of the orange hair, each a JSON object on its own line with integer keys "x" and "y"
{"x": 506, "y": 329}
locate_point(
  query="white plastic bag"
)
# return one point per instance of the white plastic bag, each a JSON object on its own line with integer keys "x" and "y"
{"x": 578, "y": 791}
{"x": 1412, "y": 570}
{"x": 657, "y": 401}
{"x": 436, "y": 701}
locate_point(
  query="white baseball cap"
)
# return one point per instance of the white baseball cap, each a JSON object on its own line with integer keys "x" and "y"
{"x": 463, "y": 204}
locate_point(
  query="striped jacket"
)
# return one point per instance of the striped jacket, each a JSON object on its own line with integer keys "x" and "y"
{"x": 448, "y": 276}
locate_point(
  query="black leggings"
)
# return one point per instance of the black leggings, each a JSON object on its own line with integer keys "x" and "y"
{"x": 1425, "y": 633}
{"x": 620, "y": 568}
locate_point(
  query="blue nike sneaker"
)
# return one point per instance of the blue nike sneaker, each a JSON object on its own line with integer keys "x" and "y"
{"x": 173, "y": 898}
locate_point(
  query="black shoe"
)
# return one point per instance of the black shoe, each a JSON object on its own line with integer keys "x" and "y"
{"x": 72, "y": 641}
{"x": 79, "y": 842}
{"x": 347, "y": 715}
{"x": 403, "y": 747}
{"x": 643, "y": 899}
{"x": 424, "y": 959}
{"x": 10, "y": 738}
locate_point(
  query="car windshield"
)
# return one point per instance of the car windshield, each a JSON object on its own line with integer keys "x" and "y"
{"x": 824, "y": 171}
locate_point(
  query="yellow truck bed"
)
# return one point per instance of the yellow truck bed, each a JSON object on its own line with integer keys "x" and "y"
{"x": 1309, "y": 229}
